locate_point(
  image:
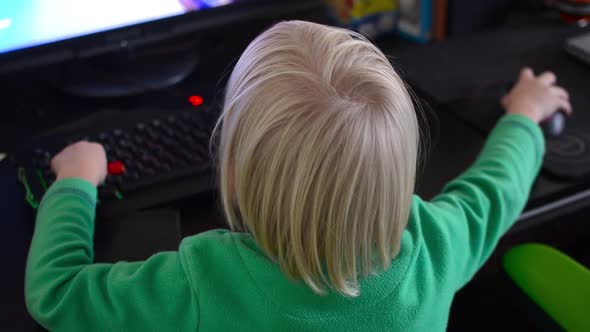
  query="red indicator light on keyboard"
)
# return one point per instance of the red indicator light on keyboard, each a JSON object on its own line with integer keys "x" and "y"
{"x": 195, "y": 100}
{"x": 116, "y": 168}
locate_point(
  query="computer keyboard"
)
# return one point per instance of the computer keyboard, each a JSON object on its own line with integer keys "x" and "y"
{"x": 152, "y": 159}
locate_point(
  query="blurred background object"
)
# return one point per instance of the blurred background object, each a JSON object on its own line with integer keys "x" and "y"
{"x": 574, "y": 10}
{"x": 419, "y": 20}
{"x": 372, "y": 18}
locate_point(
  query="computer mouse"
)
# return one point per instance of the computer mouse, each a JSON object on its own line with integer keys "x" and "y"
{"x": 554, "y": 125}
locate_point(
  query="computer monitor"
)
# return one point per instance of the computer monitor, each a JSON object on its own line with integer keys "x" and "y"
{"x": 39, "y": 32}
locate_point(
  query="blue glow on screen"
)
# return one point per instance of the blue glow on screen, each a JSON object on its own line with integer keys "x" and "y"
{"x": 26, "y": 23}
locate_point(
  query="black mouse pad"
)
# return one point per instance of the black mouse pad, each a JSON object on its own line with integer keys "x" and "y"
{"x": 138, "y": 236}
{"x": 568, "y": 155}
{"x": 480, "y": 113}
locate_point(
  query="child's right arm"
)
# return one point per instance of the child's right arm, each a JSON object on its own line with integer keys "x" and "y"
{"x": 65, "y": 291}
{"x": 463, "y": 224}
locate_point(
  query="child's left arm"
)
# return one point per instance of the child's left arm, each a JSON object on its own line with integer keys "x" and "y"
{"x": 64, "y": 291}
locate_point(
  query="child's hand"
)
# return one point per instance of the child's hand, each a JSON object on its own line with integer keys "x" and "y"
{"x": 536, "y": 97}
{"x": 81, "y": 160}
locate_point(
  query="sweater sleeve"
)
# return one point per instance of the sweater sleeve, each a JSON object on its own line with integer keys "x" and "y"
{"x": 463, "y": 224}
{"x": 64, "y": 291}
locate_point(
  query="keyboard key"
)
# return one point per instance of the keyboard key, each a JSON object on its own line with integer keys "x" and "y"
{"x": 140, "y": 128}
{"x": 169, "y": 132}
{"x": 40, "y": 152}
{"x": 139, "y": 168}
{"x": 171, "y": 119}
{"x": 169, "y": 142}
{"x": 103, "y": 136}
{"x": 153, "y": 134}
{"x": 139, "y": 141}
{"x": 200, "y": 135}
{"x": 148, "y": 160}
{"x": 202, "y": 151}
{"x": 125, "y": 144}
{"x": 188, "y": 155}
{"x": 117, "y": 152}
{"x": 185, "y": 128}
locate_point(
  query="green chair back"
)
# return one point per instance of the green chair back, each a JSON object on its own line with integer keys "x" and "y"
{"x": 555, "y": 282}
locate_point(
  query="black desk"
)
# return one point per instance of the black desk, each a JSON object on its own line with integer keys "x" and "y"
{"x": 16, "y": 228}
{"x": 477, "y": 68}
{"x": 454, "y": 145}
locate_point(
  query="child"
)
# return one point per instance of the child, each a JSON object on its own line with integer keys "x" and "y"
{"x": 318, "y": 150}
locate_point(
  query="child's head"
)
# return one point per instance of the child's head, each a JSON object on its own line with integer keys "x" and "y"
{"x": 318, "y": 153}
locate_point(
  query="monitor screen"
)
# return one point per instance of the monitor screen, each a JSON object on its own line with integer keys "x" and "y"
{"x": 28, "y": 23}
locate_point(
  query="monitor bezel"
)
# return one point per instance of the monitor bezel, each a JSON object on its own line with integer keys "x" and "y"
{"x": 130, "y": 36}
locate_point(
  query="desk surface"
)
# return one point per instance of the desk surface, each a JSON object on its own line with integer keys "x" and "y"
{"x": 480, "y": 66}
{"x": 441, "y": 79}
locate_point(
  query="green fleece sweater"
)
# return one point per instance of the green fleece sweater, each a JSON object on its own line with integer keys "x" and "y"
{"x": 221, "y": 281}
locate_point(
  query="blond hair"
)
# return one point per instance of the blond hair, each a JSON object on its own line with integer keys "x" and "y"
{"x": 318, "y": 152}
